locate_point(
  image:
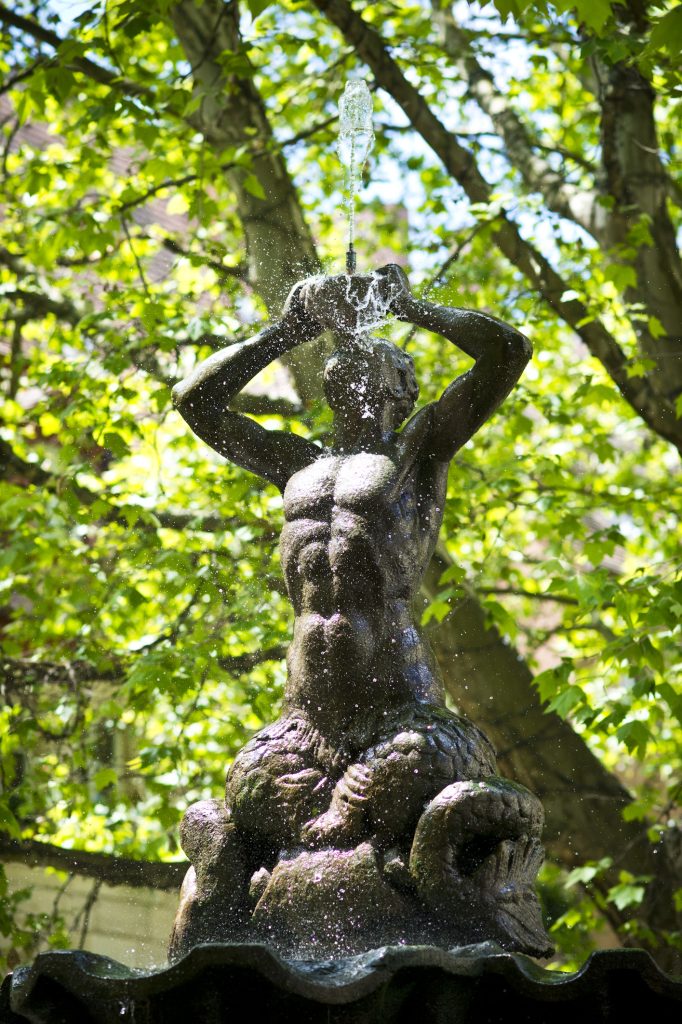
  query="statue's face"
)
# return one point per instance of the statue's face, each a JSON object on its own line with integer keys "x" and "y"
{"x": 361, "y": 384}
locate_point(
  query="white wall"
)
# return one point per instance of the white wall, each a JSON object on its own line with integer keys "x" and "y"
{"x": 130, "y": 925}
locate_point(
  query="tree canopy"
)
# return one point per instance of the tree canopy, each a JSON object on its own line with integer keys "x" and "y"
{"x": 168, "y": 173}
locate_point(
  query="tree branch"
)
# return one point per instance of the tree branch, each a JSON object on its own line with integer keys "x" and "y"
{"x": 657, "y": 412}
{"x": 534, "y": 595}
{"x": 220, "y": 269}
{"x": 21, "y": 673}
{"x": 573, "y": 202}
{"x": 105, "y": 867}
{"x": 42, "y": 303}
{"x": 83, "y": 64}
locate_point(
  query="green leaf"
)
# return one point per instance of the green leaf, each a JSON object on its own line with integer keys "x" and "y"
{"x": 596, "y": 14}
{"x": 626, "y": 895}
{"x": 656, "y": 328}
{"x": 115, "y": 443}
{"x": 257, "y": 7}
{"x": 513, "y": 8}
{"x": 667, "y": 33}
{"x": 455, "y": 573}
{"x": 621, "y": 275}
{"x": 253, "y": 185}
{"x": 105, "y": 777}
{"x": 441, "y": 606}
{"x": 49, "y": 424}
{"x": 565, "y": 701}
{"x": 552, "y": 680}
{"x": 8, "y": 822}
{"x": 635, "y": 736}
{"x": 673, "y": 698}
{"x": 587, "y": 872}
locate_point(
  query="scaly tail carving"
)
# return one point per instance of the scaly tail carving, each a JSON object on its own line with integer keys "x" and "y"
{"x": 475, "y": 856}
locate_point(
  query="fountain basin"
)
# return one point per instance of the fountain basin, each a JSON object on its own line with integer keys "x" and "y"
{"x": 217, "y": 983}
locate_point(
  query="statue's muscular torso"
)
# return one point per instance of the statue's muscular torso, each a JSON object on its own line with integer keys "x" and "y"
{"x": 360, "y": 530}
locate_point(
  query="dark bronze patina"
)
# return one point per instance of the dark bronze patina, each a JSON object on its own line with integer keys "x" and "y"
{"x": 367, "y": 814}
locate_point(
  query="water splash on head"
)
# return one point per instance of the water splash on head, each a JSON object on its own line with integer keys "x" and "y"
{"x": 350, "y": 305}
{"x": 371, "y": 306}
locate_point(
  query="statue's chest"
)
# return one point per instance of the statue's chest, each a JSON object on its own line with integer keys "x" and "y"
{"x": 366, "y": 484}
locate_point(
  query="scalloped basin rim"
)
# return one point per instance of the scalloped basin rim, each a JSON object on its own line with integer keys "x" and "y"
{"x": 332, "y": 981}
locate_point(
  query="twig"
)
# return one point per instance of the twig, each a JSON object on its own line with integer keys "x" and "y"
{"x": 240, "y": 271}
{"x": 86, "y": 911}
{"x": 25, "y": 73}
{"x": 440, "y": 274}
{"x": 8, "y": 145}
{"x": 140, "y": 271}
{"x": 15, "y": 359}
{"x": 172, "y": 633}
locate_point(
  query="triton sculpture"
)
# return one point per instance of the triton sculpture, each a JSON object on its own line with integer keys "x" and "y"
{"x": 368, "y": 814}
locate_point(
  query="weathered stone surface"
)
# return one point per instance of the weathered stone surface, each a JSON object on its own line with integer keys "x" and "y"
{"x": 347, "y": 901}
{"x": 368, "y": 813}
{"x": 212, "y": 900}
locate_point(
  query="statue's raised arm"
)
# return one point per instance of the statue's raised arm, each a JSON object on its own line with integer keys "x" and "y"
{"x": 500, "y": 351}
{"x": 203, "y": 399}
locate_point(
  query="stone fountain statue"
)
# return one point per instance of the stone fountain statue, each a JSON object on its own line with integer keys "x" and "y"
{"x": 368, "y": 814}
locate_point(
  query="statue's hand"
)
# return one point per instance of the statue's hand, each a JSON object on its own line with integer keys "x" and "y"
{"x": 296, "y": 307}
{"x": 397, "y": 289}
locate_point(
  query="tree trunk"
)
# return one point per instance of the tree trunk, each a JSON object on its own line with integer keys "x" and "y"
{"x": 637, "y": 180}
{"x": 280, "y": 249}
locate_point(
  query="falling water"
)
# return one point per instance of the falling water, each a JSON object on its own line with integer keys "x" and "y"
{"x": 355, "y": 140}
{"x": 371, "y": 304}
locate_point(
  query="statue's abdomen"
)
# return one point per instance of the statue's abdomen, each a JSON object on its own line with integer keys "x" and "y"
{"x": 337, "y": 591}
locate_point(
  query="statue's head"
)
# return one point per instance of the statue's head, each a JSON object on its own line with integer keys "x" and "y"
{"x": 362, "y": 381}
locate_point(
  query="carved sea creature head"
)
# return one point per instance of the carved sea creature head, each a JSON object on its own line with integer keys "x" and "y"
{"x": 364, "y": 380}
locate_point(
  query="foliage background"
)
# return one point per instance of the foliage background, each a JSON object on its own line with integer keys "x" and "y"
{"x": 142, "y": 612}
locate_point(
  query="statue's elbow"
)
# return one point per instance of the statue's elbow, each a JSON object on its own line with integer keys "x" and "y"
{"x": 181, "y": 397}
{"x": 519, "y": 349}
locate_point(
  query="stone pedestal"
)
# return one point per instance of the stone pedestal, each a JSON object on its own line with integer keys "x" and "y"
{"x": 217, "y": 984}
